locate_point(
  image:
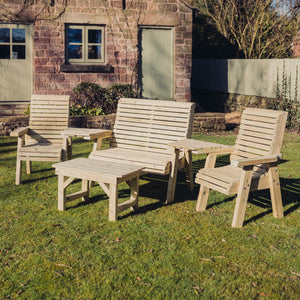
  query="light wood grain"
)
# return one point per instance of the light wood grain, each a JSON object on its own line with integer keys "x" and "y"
{"x": 253, "y": 163}
{"x": 41, "y": 140}
{"x": 142, "y": 133}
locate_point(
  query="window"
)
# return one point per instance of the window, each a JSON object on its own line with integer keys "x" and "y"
{"x": 85, "y": 44}
{"x": 12, "y": 43}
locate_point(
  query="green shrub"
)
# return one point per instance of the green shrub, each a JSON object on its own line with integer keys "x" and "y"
{"x": 92, "y": 99}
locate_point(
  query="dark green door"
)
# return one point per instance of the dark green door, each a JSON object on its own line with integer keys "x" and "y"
{"x": 157, "y": 63}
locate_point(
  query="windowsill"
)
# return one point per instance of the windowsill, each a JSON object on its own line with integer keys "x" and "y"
{"x": 86, "y": 68}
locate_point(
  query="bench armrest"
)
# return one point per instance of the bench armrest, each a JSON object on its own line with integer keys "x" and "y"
{"x": 256, "y": 160}
{"x": 19, "y": 132}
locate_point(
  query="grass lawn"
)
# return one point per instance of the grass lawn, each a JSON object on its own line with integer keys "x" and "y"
{"x": 159, "y": 252}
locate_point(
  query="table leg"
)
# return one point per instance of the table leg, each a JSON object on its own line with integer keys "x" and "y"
{"x": 85, "y": 188}
{"x": 113, "y": 201}
{"x": 189, "y": 170}
{"x": 61, "y": 193}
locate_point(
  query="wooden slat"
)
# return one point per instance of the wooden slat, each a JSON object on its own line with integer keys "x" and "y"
{"x": 139, "y": 148}
{"x": 156, "y": 103}
{"x": 263, "y": 135}
{"x": 253, "y": 139}
{"x": 251, "y": 150}
{"x": 153, "y": 117}
{"x": 253, "y": 145}
{"x": 257, "y": 129}
{"x": 261, "y": 124}
{"x": 142, "y": 127}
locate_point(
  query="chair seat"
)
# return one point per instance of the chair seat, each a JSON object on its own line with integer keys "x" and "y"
{"x": 227, "y": 179}
{"x": 41, "y": 152}
{"x": 152, "y": 162}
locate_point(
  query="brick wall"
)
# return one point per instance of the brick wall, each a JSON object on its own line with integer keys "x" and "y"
{"x": 121, "y": 42}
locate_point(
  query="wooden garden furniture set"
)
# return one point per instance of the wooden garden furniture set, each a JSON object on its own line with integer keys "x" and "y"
{"x": 154, "y": 136}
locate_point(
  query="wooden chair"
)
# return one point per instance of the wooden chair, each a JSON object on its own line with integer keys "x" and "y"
{"x": 42, "y": 141}
{"x": 254, "y": 161}
{"x": 142, "y": 133}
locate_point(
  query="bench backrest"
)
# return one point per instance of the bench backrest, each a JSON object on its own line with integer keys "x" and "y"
{"x": 261, "y": 133}
{"x": 49, "y": 116}
{"x": 150, "y": 125}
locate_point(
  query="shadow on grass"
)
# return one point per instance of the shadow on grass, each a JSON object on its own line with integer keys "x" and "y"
{"x": 156, "y": 189}
{"x": 9, "y": 144}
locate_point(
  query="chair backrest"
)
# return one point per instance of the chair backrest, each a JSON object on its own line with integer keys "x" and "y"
{"x": 150, "y": 125}
{"x": 261, "y": 133}
{"x": 49, "y": 116}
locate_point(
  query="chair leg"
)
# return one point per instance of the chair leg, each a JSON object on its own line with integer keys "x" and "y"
{"x": 202, "y": 198}
{"x": 275, "y": 192}
{"x": 28, "y": 167}
{"x": 242, "y": 198}
{"x": 18, "y": 171}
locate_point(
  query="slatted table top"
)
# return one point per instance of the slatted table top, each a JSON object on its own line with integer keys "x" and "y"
{"x": 200, "y": 146}
{"x": 85, "y": 167}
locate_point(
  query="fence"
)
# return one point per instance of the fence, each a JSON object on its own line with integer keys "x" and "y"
{"x": 256, "y": 77}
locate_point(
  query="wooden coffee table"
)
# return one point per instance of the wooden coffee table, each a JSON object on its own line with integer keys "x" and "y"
{"x": 107, "y": 174}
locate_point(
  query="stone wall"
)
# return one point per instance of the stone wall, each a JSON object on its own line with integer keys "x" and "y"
{"x": 203, "y": 122}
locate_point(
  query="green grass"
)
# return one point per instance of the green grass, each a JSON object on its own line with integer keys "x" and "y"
{"x": 159, "y": 252}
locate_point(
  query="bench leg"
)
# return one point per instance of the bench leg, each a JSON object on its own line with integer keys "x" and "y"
{"x": 113, "y": 202}
{"x": 28, "y": 167}
{"x": 172, "y": 178}
{"x": 18, "y": 171}
{"x": 61, "y": 193}
{"x": 134, "y": 192}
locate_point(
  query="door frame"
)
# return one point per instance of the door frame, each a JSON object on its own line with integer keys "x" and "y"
{"x": 29, "y": 56}
{"x": 140, "y": 60}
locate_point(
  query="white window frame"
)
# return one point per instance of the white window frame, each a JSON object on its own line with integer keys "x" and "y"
{"x": 85, "y": 44}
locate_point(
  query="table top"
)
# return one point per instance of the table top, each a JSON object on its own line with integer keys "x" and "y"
{"x": 95, "y": 167}
{"x": 200, "y": 146}
{"x": 86, "y": 133}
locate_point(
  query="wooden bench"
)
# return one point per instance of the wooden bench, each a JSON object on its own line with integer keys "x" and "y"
{"x": 107, "y": 174}
{"x": 142, "y": 133}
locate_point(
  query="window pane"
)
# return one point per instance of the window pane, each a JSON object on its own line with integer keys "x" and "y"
{"x": 74, "y": 35}
{"x": 4, "y": 52}
{"x": 75, "y": 51}
{"x": 94, "y": 52}
{"x": 18, "y": 52}
{"x": 4, "y": 35}
{"x": 95, "y": 36}
{"x": 18, "y": 35}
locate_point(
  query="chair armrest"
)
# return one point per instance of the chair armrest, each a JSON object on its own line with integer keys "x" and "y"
{"x": 20, "y": 131}
{"x": 102, "y": 135}
{"x": 255, "y": 160}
